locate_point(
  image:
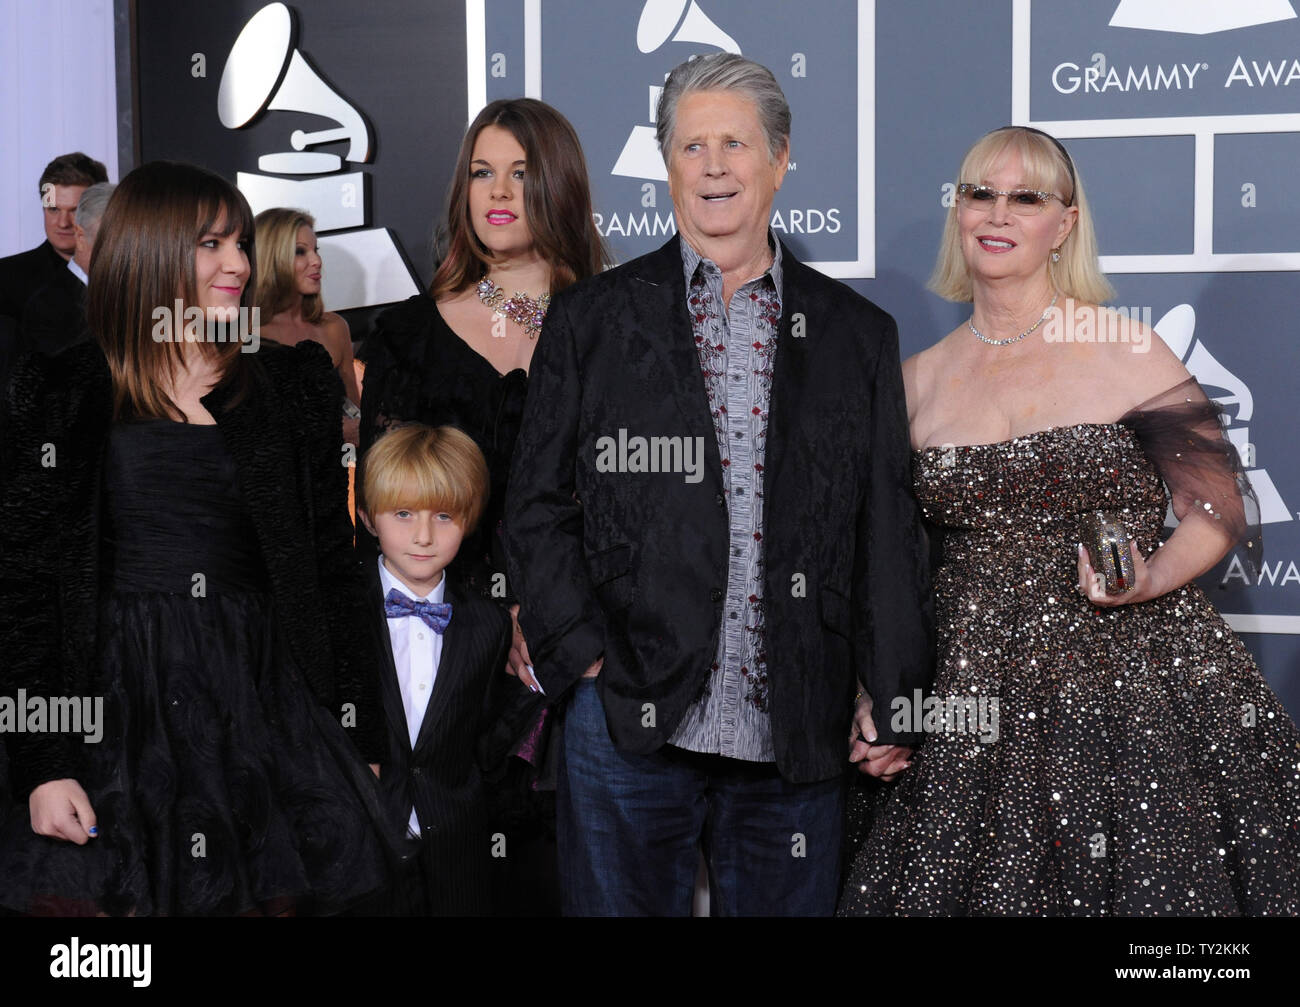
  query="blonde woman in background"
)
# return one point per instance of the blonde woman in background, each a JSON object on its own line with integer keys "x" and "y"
{"x": 289, "y": 296}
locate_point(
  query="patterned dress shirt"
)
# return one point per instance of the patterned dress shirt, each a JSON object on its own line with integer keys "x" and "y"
{"x": 736, "y": 343}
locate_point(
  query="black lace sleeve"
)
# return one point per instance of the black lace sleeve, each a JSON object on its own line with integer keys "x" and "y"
{"x": 1181, "y": 431}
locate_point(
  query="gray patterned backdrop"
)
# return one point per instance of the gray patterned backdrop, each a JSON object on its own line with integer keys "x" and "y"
{"x": 1184, "y": 120}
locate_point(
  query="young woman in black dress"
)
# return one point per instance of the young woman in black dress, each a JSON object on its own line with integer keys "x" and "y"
{"x": 519, "y": 228}
{"x": 175, "y": 546}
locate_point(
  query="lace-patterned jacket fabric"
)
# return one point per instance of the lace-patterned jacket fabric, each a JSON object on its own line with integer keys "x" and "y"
{"x": 1084, "y": 761}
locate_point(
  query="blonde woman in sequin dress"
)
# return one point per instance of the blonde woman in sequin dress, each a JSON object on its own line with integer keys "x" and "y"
{"x": 1086, "y": 753}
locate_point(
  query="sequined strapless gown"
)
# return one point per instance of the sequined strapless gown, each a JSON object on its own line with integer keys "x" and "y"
{"x": 1125, "y": 761}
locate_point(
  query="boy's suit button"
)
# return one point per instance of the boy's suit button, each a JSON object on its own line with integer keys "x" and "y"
{"x": 716, "y": 594}
{"x": 416, "y": 771}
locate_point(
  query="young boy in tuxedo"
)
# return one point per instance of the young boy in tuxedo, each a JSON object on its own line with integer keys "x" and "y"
{"x": 444, "y": 683}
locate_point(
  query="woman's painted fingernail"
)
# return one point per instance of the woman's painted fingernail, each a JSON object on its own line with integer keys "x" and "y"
{"x": 93, "y": 830}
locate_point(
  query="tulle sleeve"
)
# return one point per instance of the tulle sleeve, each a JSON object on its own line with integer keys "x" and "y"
{"x": 1181, "y": 431}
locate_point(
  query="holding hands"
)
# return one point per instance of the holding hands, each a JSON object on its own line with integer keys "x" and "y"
{"x": 882, "y": 761}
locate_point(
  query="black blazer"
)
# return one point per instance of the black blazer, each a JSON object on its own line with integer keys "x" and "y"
{"x": 634, "y": 565}
{"x": 23, "y": 273}
{"x": 441, "y": 775}
{"x": 285, "y": 438}
{"x": 54, "y": 317}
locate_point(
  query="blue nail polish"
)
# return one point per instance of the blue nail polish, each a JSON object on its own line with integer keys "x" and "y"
{"x": 93, "y": 830}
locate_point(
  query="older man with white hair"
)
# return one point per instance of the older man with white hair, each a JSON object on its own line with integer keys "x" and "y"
{"x": 706, "y": 629}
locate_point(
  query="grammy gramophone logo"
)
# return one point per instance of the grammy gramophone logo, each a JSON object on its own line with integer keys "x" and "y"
{"x": 1177, "y": 328}
{"x": 266, "y": 71}
{"x": 664, "y": 21}
{"x": 1199, "y": 18}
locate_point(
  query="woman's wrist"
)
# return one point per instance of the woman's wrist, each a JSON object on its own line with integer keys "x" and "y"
{"x": 1157, "y": 581}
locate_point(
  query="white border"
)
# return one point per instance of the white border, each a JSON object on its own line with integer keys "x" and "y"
{"x": 864, "y": 267}
{"x": 1204, "y": 128}
{"x": 475, "y": 56}
{"x": 533, "y": 49}
{"x": 1251, "y": 623}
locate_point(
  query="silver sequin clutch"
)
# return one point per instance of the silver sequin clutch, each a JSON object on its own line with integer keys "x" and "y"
{"x": 1108, "y": 547}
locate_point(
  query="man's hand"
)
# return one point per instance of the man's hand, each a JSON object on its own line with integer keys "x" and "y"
{"x": 519, "y": 663}
{"x": 883, "y": 761}
{"x": 60, "y": 809}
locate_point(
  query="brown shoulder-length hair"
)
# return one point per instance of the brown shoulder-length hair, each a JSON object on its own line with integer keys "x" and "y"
{"x": 557, "y": 199}
{"x": 277, "y": 245}
{"x": 143, "y": 262}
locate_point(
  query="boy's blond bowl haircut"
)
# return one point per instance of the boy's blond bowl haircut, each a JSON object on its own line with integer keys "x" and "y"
{"x": 425, "y": 468}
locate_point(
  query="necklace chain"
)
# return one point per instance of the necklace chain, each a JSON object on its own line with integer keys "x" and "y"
{"x": 526, "y": 312}
{"x": 1014, "y": 339}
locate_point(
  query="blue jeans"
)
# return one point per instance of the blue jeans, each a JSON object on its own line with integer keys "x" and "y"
{"x": 630, "y": 828}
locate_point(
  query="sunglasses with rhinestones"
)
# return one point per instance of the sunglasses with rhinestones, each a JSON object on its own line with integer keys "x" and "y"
{"x": 1024, "y": 202}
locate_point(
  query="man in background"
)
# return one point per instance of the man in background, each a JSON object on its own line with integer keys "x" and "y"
{"x": 54, "y": 317}
{"x": 61, "y": 185}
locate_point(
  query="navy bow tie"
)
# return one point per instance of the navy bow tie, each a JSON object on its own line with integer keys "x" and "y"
{"x": 434, "y": 614}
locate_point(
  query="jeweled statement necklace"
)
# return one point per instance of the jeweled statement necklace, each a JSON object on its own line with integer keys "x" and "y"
{"x": 526, "y": 312}
{"x": 1014, "y": 339}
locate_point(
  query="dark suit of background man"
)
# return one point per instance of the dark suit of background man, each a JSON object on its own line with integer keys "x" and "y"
{"x": 54, "y": 317}
{"x": 61, "y": 185}
{"x": 708, "y": 627}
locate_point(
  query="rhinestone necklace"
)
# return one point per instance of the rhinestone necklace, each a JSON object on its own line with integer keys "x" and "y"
{"x": 1013, "y": 339}
{"x": 526, "y": 312}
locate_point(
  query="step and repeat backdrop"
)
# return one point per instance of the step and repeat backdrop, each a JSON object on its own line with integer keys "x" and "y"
{"x": 1183, "y": 120}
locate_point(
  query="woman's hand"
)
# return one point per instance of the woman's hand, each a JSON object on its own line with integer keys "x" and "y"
{"x": 374, "y": 768}
{"x": 60, "y": 809}
{"x": 883, "y": 761}
{"x": 519, "y": 663}
{"x": 1093, "y": 585}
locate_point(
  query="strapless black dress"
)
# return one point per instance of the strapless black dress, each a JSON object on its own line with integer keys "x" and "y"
{"x": 220, "y": 785}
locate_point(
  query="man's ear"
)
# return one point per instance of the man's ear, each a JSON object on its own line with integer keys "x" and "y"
{"x": 782, "y": 162}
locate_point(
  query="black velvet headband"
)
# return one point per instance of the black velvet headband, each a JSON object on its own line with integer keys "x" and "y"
{"x": 1069, "y": 161}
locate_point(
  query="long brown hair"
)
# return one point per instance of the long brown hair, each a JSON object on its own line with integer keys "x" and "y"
{"x": 557, "y": 199}
{"x": 143, "y": 261}
{"x": 277, "y": 245}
